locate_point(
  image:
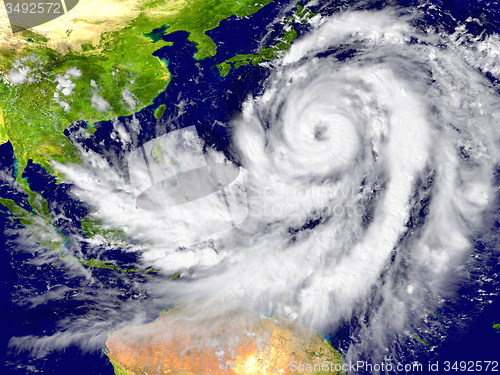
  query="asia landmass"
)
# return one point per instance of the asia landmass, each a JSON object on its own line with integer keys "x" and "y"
{"x": 94, "y": 63}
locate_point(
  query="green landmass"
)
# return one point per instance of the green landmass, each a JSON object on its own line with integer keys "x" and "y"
{"x": 118, "y": 369}
{"x": 93, "y": 229}
{"x": 117, "y": 77}
{"x": 157, "y": 150}
{"x": 108, "y": 264}
{"x": 159, "y": 111}
{"x": 43, "y": 231}
{"x": 269, "y": 52}
{"x": 420, "y": 340}
{"x": 198, "y": 16}
{"x": 273, "y": 51}
{"x": 116, "y": 80}
{"x": 94, "y": 263}
{"x": 496, "y": 327}
{"x": 112, "y": 237}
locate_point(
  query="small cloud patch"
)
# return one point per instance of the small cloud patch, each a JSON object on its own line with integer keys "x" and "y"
{"x": 99, "y": 103}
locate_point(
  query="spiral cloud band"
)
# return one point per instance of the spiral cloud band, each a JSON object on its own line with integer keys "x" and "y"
{"x": 389, "y": 126}
{"x": 369, "y": 160}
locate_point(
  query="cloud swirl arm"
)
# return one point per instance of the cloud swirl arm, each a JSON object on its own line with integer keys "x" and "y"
{"x": 381, "y": 132}
{"x": 368, "y": 164}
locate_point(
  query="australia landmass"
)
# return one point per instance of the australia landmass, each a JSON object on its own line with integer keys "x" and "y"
{"x": 194, "y": 338}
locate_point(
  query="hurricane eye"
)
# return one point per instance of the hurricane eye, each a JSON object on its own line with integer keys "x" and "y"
{"x": 320, "y": 132}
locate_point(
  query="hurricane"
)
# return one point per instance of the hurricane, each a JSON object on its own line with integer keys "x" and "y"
{"x": 368, "y": 159}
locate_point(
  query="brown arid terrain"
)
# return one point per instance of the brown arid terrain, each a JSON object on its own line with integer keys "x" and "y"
{"x": 84, "y": 24}
{"x": 189, "y": 340}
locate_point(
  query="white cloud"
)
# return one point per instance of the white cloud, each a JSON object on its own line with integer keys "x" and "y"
{"x": 19, "y": 76}
{"x": 99, "y": 103}
{"x": 64, "y": 84}
{"x": 128, "y": 97}
{"x": 74, "y": 72}
{"x": 326, "y": 138}
{"x": 25, "y": 69}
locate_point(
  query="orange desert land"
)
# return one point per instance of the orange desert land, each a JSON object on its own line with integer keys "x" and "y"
{"x": 188, "y": 340}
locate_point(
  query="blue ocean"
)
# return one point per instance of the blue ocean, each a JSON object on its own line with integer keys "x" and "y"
{"x": 55, "y": 336}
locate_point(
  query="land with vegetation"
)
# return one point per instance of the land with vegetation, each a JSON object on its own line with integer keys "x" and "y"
{"x": 94, "y": 63}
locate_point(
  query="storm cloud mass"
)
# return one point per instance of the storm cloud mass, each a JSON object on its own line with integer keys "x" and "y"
{"x": 367, "y": 180}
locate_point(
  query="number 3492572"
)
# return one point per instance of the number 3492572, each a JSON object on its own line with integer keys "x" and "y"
{"x": 33, "y": 8}
{"x": 478, "y": 366}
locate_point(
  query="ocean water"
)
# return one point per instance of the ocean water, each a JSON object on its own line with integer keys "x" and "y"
{"x": 425, "y": 292}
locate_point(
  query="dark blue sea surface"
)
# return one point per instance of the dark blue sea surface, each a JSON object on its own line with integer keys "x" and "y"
{"x": 209, "y": 101}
